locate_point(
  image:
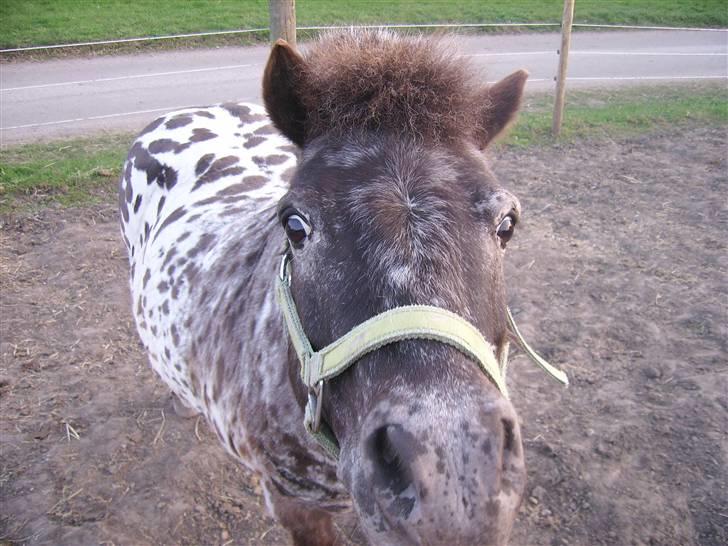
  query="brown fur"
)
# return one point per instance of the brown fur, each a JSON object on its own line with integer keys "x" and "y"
{"x": 376, "y": 81}
{"x": 370, "y": 80}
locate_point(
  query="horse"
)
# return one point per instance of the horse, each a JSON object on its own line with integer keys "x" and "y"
{"x": 357, "y": 211}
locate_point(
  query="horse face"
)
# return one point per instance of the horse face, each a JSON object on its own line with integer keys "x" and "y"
{"x": 430, "y": 449}
{"x": 393, "y": 204}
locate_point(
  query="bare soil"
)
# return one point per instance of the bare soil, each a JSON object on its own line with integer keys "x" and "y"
{"x": 618, "y": 273}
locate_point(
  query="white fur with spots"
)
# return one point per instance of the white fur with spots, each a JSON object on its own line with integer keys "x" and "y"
{"x": 202, "y": 270}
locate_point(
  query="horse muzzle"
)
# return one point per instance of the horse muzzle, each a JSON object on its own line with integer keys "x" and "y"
{"x": 426, "y": 470}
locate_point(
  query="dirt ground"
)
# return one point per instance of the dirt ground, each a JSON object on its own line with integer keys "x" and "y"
{"x": 618, "y": 273}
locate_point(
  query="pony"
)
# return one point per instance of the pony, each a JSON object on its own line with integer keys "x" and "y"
{"x": 257, "y": 238}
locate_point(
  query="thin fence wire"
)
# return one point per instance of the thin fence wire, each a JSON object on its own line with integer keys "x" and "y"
{"x": 324, "y": 28}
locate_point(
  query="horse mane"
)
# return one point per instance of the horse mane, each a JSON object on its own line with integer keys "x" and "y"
{"x": 377, "y": 80}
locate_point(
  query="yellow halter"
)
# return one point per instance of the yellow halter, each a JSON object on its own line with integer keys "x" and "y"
{"x": 400, "y": 323}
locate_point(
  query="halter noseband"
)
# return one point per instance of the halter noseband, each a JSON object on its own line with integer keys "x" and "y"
{"x": 400, "y": 323}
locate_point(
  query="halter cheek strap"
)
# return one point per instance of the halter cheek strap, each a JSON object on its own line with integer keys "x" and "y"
{"x": 400, "y": 323}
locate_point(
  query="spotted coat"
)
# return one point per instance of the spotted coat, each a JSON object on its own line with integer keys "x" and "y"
{"x": 198, "y": 201}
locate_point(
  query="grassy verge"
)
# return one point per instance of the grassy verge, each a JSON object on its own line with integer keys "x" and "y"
{"x": 620, "y": 112}
{"x": 39, "y": 22}
{"x": 84, "y": 171}
{"x": 69, "y": 172}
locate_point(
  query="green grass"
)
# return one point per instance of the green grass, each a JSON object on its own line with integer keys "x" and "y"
{"x": 39, "y": 22}
{"x": 620, "y": 113}
{"x": 66, "y": 172}
{"x": 85, "y": 171}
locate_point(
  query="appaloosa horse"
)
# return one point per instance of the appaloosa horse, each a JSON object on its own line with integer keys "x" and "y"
{"x": 371, "y": 180}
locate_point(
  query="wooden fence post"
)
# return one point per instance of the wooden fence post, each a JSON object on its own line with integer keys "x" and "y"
{"x": 566, "y": 20}
{"x": 283, "y": 20}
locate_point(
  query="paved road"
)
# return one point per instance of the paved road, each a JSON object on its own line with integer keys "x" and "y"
{"x": 77, "y": 97}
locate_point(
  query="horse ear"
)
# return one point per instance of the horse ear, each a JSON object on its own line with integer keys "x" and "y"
{"x": 502, "y": 102}
{"x": 281, "y": 93}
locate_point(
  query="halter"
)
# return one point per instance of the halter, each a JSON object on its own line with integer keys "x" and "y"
{"x": 400, "y": 323}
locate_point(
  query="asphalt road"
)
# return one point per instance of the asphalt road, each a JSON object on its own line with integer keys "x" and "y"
{"x": 85, "y": 96}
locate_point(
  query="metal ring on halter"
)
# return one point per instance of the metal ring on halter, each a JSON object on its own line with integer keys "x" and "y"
{"x": 283, "y": 270}
{"x": 315, "y": 402}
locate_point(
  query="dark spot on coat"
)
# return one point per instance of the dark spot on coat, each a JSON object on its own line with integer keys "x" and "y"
{"x": 242, "y": 112}
{"x": 237, "y": 110}
{"x": 204, "y": 114}
{"x": 124, "y": 209}
{"x": 224, "y": 163}
{"x": 149, "y": 128}
{"x": 173, "y": 217}
{"x": 162, "y": 287}
{"x": 164, "y": 175}
{"x": 220, "y": 168}
{"x": 203, "y": 163}
{"x": 190, "y": 272}
{"x": 127, "y": 173}
{"x": 203, "y": 243}
{"x": 252, "y": 142}
{"x": 145, "y": 279}
{"x": 276, "y": 159}
{"x": 265, "y": 130}
{"x": 161, "y": 204}
{"x": 178, "y": 121}
{"x": 137, "y": 203}
{"x": 174, "y": 334}
{"x": 207, "y": 201}
{"x": 170, "y": 177}
{"x": 164, "y": 145}
{"x": 199, "y": 135}
{"x": 168, "y": 258}
{"x": 144, "y": 161}
{"x": 254, "y": 182}
{"x": 233, "y": 189}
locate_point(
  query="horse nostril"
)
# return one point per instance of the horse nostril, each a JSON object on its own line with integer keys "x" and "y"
{"x": 388, "y": 451}
{"x": 383, "y": 446}
{"x": 510, "y": 443}
{"x": 507, "y": 434}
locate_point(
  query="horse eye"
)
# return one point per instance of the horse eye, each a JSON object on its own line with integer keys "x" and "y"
{"x": 505, "y": 230}
{"x": 297, "y": 229}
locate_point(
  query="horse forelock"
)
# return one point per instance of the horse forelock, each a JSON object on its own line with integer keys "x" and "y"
{"x": 377, "y": 80}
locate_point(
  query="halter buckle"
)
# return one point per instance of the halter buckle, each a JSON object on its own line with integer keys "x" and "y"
{"x": 315, "y": 403}
{"x": 283, "y": 273}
